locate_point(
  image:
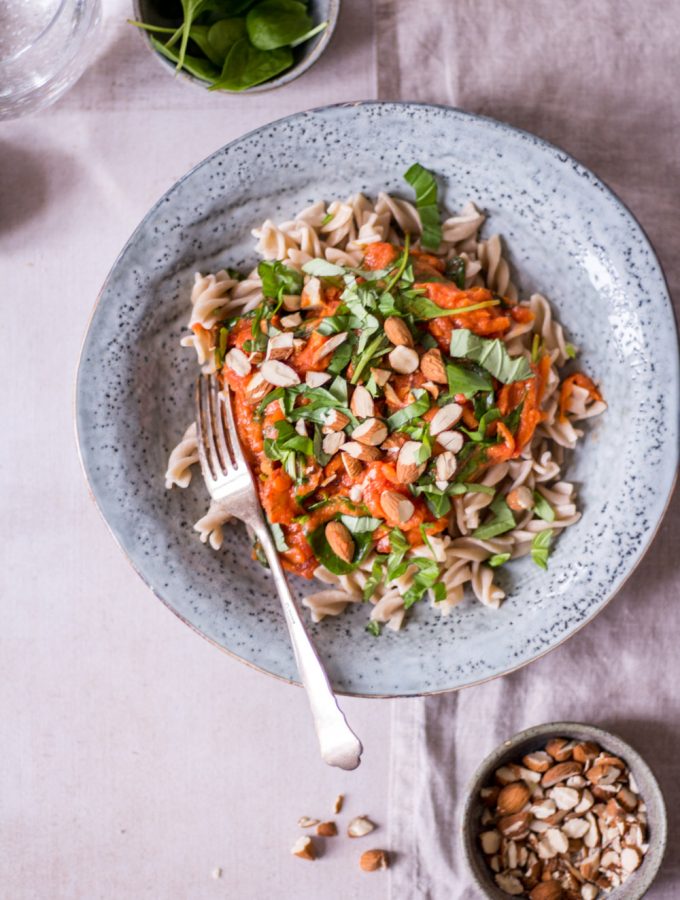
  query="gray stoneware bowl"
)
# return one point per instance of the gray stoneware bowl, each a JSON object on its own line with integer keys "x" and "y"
{"x": 155, "y": 12}
{"x": 566, "y": 234}
{"x": 535, "y": 739}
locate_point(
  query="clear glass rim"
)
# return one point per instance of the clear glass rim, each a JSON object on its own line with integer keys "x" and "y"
{"x": 36, "y": 40}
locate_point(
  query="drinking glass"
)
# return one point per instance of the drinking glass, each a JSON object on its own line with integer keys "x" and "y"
{"x": 45, "y": 46}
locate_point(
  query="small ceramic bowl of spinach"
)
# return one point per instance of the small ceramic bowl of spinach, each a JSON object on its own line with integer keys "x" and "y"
{"x": 237, "y": 45}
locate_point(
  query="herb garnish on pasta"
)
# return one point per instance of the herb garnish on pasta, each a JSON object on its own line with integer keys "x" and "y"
{"x": 402, "y": 410}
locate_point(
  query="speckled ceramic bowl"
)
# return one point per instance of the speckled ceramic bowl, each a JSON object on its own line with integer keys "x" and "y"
{"x": 155, "y": 12}
{"x": 535, "y": 739}
{"x": 567, "y": 235}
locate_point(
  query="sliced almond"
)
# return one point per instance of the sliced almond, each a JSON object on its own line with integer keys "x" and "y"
{"x": 306, "y": 822}
{"x": 381, "y": 376}
{"x": 371, "y": 431}
{"x": 509, "y": 883}
{"x": 489, "y": 795}
{"x": 278, "y": 373}
{"x": 337, "y": 805}
{"x": 304, "y": 848}
{"x": 592, "y": 836}
{"x": 445, "y": 418}
{"x": 333, "y": 442}
{"x": 258, "y": 387}
{"x": 603, "y": 774}
{"x": 585, "y": 803}
{"x": 396, "y": 507}
{"x": 543, "y": 809}
{"x": 445, "y": 466}
{"x": 432, "y": 366}
{"x": 291, "y": 321}
{"x": 334, "y": 420}
{"x": 513, "y": 798}
{"x": 316, "y": 379}
{"x": 364, "y": 452}
{"x": 362, "y": 404}
{"x": 340, "y": 540}
{"x": 373, "y": 860}
{"x": 450, "y": 440}
{"x": 280, "y": 346}
{"x": 627, "y": 799}
{"x": 312, "y": 294}
{"x": 408, "y": 467}
{"x": 539, "y": 761}
{"x": 560, "y": 772}
{"x": 589, "y": 892}
{"x": 515, "y": 827}
{"x": 556, "y": 748}
{"x": 509, "y": 773}
{"x": 431, "y": 389}
{"x": 565, "y": 797}
{"x": 237, "y": 361}
{"x": 330, "y": 345}
{"x": 547, "y": 890}
{"x": 575, "y": 828}
{"x": 586, "y": 751}
{"x": 326, "y": 829}
{"x": 398, "y": 332}
{"x": 360, "y": 826}
{"x": 404, "y": 360}
{"x": 490, "y": 841}
{"x": 356, "y": 493}
{"x": 352, "y": 466}
{"x": 292, "y": 302}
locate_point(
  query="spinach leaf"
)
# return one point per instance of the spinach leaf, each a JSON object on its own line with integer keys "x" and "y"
{"x": 222, "y": 36}
{"x": 455, "y": 270}
{"x": 484, "y": 422}
{"x": 308, "y": 35}
{"x": 437, "y": 499}
{"x": 321, "y": 268}
{"x": 425, "y": 186}
{"x": 498, "y": 559}
{"x": 323, "y": 553}
{"x": 199, "y": 68}
{"x": 412, "y": 411}
{"x": 246, "y": 66}
{"x": 287, "y": 440}
{"x": 542, "y": 508}
{"x": 191, "y": 9}
{"x": 277, "y": 23}
{"x": 342, "y": 356}
{"x": 377, "y": 347}
{"x": 540, "y": 547}
{"x": 467, "y": 380}
{"x": 491, "y": 355}
{"x": 199, "y": 35}
{"x": 400, "y": 547}
{"x": 278, "y": 279}
{"x": 320, "y": 454}
{"x": 503, "y": 520}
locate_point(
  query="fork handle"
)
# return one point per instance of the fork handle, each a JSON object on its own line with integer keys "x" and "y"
{"x": 339, "y": 745}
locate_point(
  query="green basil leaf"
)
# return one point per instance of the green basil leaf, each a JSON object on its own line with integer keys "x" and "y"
{"x": 498, "y": 559}
{"x": 491, "y": 355}
{"x": 278, "y": 279}
{"x": 320, "y": 455}
{"x": 246, "y": 66}
{"x": 503, "y": 520}
{"x": 277, "y": 23}
{"x": 342, "y": 356}
{"x": 360, "y": 524}
{"x": 321, "y": 268}
{"x": 540, "y": 547}
{"x": 467, "y": 380}
{"x": 425, "y": 186}
{"x": 484, "y": 422}
{"x": 570, "y": 350}
{"x": 373, "y": 628}
{"x": 425, "y": 578}
{"x": 279, "y": 539}
{"x": 412, "y": 411}
{"x": 375, "y": 578}
{"x": 542, "y": 508}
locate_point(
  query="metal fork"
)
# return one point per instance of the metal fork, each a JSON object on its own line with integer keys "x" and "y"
{"x": 229, "y": 479}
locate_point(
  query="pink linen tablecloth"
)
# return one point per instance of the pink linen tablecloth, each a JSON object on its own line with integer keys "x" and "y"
{"x": 136, "y": 758}
{"x": 601, "y": 80}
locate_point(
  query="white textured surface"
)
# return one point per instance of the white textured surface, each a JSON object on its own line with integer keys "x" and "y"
{"x": 136, "y": 758}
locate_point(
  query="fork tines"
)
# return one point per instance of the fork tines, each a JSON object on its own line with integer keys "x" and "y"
{"x": 218, "y": 443}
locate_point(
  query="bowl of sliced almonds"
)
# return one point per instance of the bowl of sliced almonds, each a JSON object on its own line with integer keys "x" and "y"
{"x": 564, "y": 811}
